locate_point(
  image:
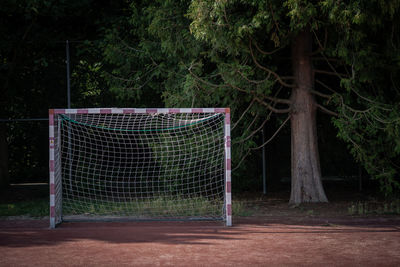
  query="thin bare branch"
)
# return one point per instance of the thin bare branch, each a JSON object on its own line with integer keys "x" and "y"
{"x": 321, "y": 47}
{"x": 278, "y": 100}
{"x": 326, "y": 86}
{"x": 244, "y": 113}
{"x": 254, "y": 81}
{"x": 266, "y": 52}
{"x": 264, "y": 144}
{"x": 241, "y": 160}
{"x": 204, "y": 81}
{"x": 275, "y": 110}
{"x": 277, "y": 77}
{"x": 327, "y": 111}
{"x": 334, "y": 73}
{"x": 321, "y": 94}
{"x": 255, "y": 131}
{"x": 273, "y": 136}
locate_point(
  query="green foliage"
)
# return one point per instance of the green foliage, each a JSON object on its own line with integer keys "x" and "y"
{"x": 162, "y": 206}
{"x": 369, "y": 107}
{"x": 229, "y": 53}
{"x": 375, "y": 208}
{"x": 33, "y": 208}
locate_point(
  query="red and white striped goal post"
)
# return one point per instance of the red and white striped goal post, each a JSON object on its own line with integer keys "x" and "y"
{"x": 227, "y": 136}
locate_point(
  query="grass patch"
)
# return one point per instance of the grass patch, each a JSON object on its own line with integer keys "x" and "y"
{"x": 375, "y": 208}
{"x": 239, "y": 208}
{"x": 33, "y": 208}
{"x": 156, "y": 207}
{"x": 161, "y": 207}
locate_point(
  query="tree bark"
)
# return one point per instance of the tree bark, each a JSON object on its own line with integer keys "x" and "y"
{"x": 305, "y": 169}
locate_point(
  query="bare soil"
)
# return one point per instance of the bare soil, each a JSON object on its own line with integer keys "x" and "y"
{"x": 275, "y": 234}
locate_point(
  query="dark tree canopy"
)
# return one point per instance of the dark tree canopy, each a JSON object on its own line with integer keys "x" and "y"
{"x": 291, "y": 59}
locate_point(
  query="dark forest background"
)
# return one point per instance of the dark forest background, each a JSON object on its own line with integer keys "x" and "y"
{"x": 33, "y": 80}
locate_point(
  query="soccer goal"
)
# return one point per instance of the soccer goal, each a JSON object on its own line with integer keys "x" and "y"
{"x": 140, "y": 164}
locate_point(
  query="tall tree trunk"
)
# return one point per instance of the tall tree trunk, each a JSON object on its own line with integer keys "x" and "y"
{"x": 306, "y": 171}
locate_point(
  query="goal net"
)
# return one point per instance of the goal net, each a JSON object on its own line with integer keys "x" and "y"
{"x": 140, "y": 164}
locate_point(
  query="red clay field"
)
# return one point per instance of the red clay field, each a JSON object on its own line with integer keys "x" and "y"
{"x": 250, "y": 242}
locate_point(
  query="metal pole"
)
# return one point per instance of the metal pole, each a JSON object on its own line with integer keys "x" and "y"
{"x": 264, "y": 167}
{"x": 68, "y": 77}
{"x": 69, "y": 106}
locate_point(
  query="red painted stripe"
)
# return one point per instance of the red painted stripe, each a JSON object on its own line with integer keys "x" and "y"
{"x": 128, "y": 110}
{"x": 51, "y": 165}
{"x": 59, "y": 111}
{"x": 228, "y": 164}
{"x": 173, "y": 110}
{"x": 51, "y": 120}
{"x": 151, "y": 110}
{"x": 53, "y": 212}
{"x": 82, "y": 111}
{"x": 105, "y": 111}
{"x": 228, "y": 118}
{"x": 52, "y": 189}
{"x": 197, "y": 110}
{"x": 229, "y": 209}
{"x": 228, "y": 187}
{"x": 219, "y": 110}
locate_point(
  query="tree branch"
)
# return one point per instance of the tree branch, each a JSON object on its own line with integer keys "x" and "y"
{"x": 321, "y": 47}
{"x": 340, "y": 75}
{"x": 266, "y": 52}
{"x": 244, "y": 113}
{"x": 326, "y": 86}
{"x": 264, "y": 144}
{"x": 321, "y": 94}
{"x": 273, "y": 109}
{"x": 204, "y": 81}
{"x": 277, "y": 77}
{"x": 273, "y": 136}
{"x": 253, "y": 81}
{"x": 327, "y": 111}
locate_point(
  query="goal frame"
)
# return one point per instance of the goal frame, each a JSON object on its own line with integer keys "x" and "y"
{"x": 53, "y": 113}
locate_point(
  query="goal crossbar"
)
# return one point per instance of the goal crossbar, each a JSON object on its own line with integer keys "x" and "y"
{"x": 115, "y": 164}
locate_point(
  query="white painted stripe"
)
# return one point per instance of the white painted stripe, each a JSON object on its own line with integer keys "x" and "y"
{"x": 227, "y": 130}
{"x": 228, "y": 220}
{"x": 51, "y": 131}
{"x": 228, "y": 198}
{"x": 228, "y": 176}
{"x": 52, "y": 222}
{"x": 140, "y": 110}
{"x": 185, "y": 110}
{"x": 51, "y": 154}
{"x": 51, "y": 177}
{"x": 163, "y": 110}
{"x": 117, "y": 110}
{"x": 52, "y": 200}
{"x": 93, "y": 110}
{"x": 71, "y": 111}
{"x": 227, "y": 152}
{"x": 211, "y": 110}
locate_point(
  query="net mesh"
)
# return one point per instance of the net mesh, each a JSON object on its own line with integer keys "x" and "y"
{"x": 140, "y": 166}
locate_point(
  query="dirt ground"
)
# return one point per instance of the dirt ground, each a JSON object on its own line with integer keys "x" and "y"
{"x": 250, "y": 242}
{"x": 272, "y": 234}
